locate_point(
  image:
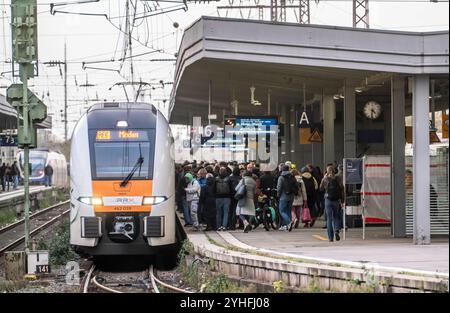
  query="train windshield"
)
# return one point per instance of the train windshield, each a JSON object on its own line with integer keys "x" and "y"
{"x": 37, "y": 167}
{"x": 117, "y": 159}
{"x": 37, "y": 162}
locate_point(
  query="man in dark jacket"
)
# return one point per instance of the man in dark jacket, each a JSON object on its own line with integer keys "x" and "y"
{"x": 3, "y": 175}
{"x": 235, "y": 178}
{"x": 207, "y": 202}
{"x": 48, "y": 172}
{"x": 15, "y": 175}
{"x": 223, "y": 193}
{"x": 268, "y": 182}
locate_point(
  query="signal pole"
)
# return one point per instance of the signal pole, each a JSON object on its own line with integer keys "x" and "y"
{"x": 65, "y": 92}
{"x": 55, "y": 63}
{"x": 32, "y": 110}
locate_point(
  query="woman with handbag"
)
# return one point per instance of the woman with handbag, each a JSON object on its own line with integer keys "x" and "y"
{"x": 299, "y": 200}
{"x": 245, "y": 193}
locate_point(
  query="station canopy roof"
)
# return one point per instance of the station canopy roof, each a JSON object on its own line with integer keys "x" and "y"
{"x": 8, "y": 116}
{"x": 221, "y": 58}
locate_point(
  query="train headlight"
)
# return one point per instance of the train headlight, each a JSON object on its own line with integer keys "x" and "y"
{"x": 153, "y": 200}
{"x": 91, "y": 200}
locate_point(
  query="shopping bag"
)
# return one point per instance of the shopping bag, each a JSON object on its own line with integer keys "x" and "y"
{"x": 306, "y": 215}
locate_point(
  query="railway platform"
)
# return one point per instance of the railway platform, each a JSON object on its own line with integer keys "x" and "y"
{"x": 304, "y": 257}
{"x": 18, "y": 193}
{"x": 15, "y": 198}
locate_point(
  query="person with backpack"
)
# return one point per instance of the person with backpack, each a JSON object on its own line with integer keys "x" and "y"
{"x": 312, "y": 188}
{"x": 287, "y": 189}
{"x": 299, "y": 200}
{"x": 234, "y": 181}
{"x": 192, "y": 196}
{"x": 223, "y": 198}
{"x": 334, "y": 196}
{"x": 15, "y": 175}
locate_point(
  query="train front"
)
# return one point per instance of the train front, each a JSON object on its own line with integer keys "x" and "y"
{"x": 122, "y": 182}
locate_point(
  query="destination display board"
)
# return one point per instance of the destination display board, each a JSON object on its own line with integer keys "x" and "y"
{"x": 121, "y": 135}
{"x": 256, "y": 121}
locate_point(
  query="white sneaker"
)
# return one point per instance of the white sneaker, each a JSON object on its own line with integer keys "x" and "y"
{"x": 283, "y": 228}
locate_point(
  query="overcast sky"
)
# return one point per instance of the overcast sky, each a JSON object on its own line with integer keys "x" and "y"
{"x": 96, "y": 38}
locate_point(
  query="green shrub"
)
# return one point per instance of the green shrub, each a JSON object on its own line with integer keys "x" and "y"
{"x": 221, "y": 284}
{"x": 7, "y": 216}
{"x": 59, "y": 245}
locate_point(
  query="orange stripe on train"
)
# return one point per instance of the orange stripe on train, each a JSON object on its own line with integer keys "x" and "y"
{"x": 112, "y": 188}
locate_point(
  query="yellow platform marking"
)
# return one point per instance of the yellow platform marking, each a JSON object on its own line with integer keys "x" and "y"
{"x": 320, "y": 237}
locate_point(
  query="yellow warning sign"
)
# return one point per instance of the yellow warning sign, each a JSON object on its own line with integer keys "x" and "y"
{"x": 434, "y": 137}
{"x": 408, "y": 134}
{"x": 444, "y": 125}
{"x": 304, "y": 135}
{"x": 315, "y": 136}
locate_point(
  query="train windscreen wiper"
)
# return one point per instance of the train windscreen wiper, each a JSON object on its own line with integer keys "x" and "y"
{"x": 136, "y": 166}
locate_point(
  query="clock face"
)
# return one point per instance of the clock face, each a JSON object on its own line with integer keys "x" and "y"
{"x": 372, "y": 110}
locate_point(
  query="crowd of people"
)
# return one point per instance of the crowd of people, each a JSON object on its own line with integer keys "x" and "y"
{"x": 9, "y": 175}
{"x": 225, "y": 195}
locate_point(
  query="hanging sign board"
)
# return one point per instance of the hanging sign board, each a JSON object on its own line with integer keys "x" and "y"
{"x": 304, "y": 135}
{"x": 444, "y": 125}
{"x": 353, "y": 171}
{"x": 304, "y": 127}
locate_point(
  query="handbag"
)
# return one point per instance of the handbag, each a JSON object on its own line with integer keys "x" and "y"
{"x": 306, "y": 215}
{"x": 241, "y": 192}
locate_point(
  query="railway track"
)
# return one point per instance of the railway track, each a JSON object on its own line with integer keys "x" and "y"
{"x": 11, "y": 235}
{"x": 146, "y": 281}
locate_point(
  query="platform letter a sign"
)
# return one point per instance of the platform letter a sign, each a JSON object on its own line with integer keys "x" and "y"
{"x": 303, "y": 118}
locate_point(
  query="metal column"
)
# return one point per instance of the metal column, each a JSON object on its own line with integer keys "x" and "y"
{"x": 284, "y": 144}
{"x": 398, "y": 206}
{"x": 421, "y": 160}
{"x": 317, "y": 151}
{"x": 329, "y": 112}
{"x": 361, "y": 13}
{"x": 349, "y": 121}
{"x": 292, "y": 130}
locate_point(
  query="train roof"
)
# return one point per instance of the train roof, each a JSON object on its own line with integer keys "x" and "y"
{"x": 123, "y": 106}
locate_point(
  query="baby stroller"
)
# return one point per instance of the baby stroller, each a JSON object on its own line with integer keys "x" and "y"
{"x": 265, "y": 213}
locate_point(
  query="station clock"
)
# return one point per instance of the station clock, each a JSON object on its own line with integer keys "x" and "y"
{"x": 372, "y": 110}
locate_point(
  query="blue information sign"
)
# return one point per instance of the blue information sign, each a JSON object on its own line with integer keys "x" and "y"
{"x": 256, "y": 121}
{"x": 8, "y": 140}
{"x": 353, "y": 171}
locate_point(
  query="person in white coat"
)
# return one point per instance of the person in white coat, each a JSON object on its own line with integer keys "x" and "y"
{"x": 192, "y": 196}
{"x": 245, "y": 208}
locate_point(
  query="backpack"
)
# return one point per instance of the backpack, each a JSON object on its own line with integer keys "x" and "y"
{"x": 222, "y": 186}
{"x": 290, "y": 185}
{"x": 334, "y": 190}
{"x": 310, "y": 187}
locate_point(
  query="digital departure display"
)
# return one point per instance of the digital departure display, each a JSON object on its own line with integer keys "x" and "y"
{"x": 119, "y": 135}
{"x": 103, "y": 135}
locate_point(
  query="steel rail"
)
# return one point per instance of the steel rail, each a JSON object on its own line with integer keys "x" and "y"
{"x": 34, "y": 231}
{"x": 21, "y": 221}
{"x": 156, "y": 280}
{"x": 94, "y": 280}
{"x": 87, "y": 279}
